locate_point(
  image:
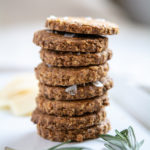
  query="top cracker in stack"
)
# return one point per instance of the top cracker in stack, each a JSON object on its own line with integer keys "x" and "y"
{"x": 73, "y": 81}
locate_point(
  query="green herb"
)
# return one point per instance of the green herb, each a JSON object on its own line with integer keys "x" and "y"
{"x": 124, "y": 140}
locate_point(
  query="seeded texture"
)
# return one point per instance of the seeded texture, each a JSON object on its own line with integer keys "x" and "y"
{"x": 56, "y": 76}
{"x": 74, "y": 135}
{"x": 82, "y": 25}
{"x": 66, "y": 122}
{"x": 71, "y": 108}
{"x": 83, "y": 91}
{"x": 69, "y": 59}
{"x": 80, "y": 43}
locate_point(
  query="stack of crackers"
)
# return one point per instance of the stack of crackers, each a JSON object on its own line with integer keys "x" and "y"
{"x": 73, "y": 80}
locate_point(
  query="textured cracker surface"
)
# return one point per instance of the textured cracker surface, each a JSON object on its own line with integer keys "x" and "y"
{"x": 71, "y": 108}
{"x": 74, "y": 135}
{"x": 82, "y": 92}
{"x": 69, "y": 59}
{"x": 56, "y": 76}
{"x": 59, "y": 42}
{"x": 66, "y": 122}
{"x": 82, "y": 25}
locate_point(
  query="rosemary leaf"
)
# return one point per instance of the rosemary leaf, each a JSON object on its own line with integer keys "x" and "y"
{"x": 109, "y": 147}
{"x": 114, "y": 140}
{"x": 132, "y": 137}
{"x": 121, "y": 136}
{"x": 140, "y": 144}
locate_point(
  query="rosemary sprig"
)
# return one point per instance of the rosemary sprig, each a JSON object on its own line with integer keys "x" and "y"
{"x": 124, "y": 140}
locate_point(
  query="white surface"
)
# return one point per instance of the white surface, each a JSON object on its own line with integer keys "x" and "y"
{"x": 132, "y": 98}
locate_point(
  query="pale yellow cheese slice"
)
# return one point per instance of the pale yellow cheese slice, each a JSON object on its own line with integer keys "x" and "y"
{"x": 19, "y": 95}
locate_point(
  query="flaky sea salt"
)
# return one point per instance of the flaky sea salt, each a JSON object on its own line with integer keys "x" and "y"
{"x": 98, "y": 84}
{"x": 49, "y": 31}
{"x": 98, "y": 54}
{"x": 72, "y": 90}
{"x": 78, "y": 53}
{"x": 65, "y": 18}
{"x": 52, "y": 17}
{"x": 48, "y": 65}
{"x": 69, "y": 35}
{"x": 75, "y": 21}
